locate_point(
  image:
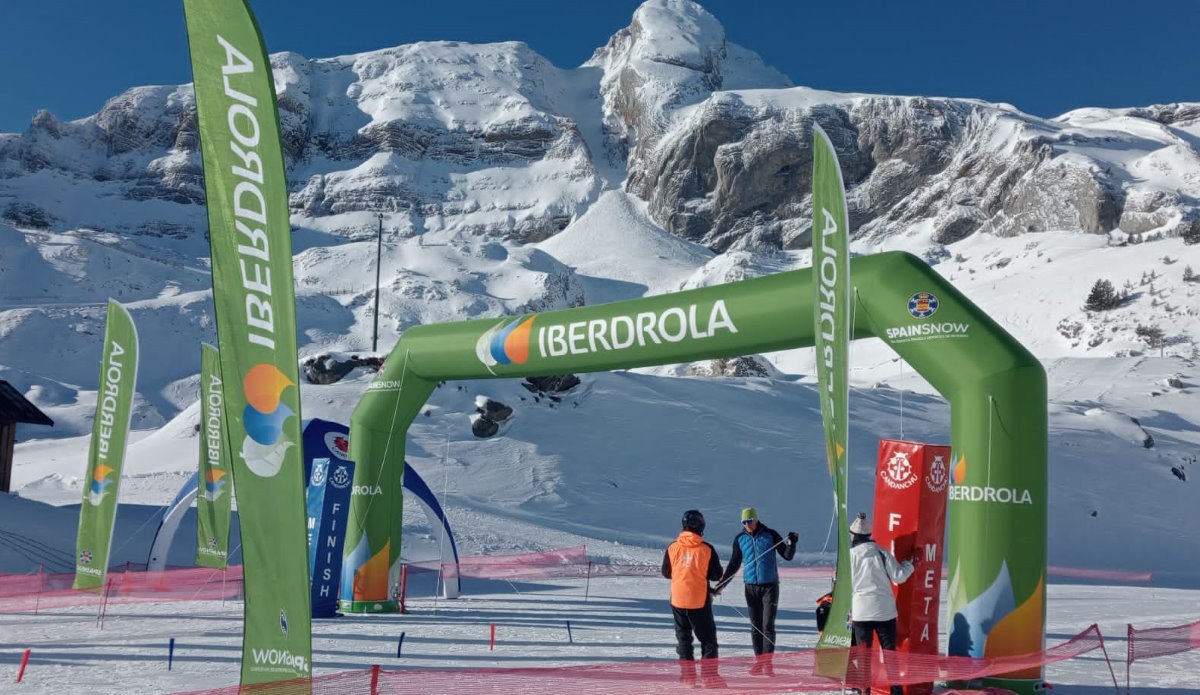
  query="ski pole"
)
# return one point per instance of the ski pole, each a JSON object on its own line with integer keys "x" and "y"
{"x": 725, "y": 580}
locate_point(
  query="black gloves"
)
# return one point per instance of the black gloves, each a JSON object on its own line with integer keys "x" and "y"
{"x": 792, "y": 537}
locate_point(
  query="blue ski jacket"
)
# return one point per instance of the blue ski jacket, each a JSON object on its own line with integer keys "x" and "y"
{"x": 759, "y": 555}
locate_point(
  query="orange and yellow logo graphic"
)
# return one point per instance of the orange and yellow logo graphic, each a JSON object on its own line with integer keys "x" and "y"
{"x": 265, "y": 446}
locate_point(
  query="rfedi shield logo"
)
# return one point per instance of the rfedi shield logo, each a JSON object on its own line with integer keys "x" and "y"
{"x": 510, "y": 341}
{"x": 898, "y": 472}
{"x": 339, "y": 444}
{"x": 924, "y": 305}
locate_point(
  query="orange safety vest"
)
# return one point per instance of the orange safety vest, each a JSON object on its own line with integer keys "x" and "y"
{"x": 689, "y": 556}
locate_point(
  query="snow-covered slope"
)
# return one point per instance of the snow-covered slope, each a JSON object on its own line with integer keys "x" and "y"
{"x": 510, "y": 185}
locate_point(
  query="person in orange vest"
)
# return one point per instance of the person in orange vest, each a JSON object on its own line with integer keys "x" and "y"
{"x": 690, "y": 563}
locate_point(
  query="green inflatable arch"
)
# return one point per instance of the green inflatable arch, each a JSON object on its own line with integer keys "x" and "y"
{"x": 996, "y": 390}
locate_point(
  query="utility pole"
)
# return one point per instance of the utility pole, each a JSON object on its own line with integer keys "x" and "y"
{"x": 378, "y": 270}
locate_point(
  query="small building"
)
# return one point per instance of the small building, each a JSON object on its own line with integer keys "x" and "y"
{"x": 14, "y": 408}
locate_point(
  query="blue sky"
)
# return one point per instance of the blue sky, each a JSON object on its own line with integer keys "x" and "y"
{"x": 1043, "y": 56}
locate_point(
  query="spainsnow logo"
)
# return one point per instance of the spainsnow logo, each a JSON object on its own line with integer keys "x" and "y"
{"x": 213, "y": 484}
{"x": 264, "y": 447}
{"x": 922, "y": 305}
{"x": 85, "y": 557}
{"x": 505, "y": 343}
{"x": 898, "y": 472}
{"x": 340, "y": 478}
{"x": 100, "y": 481}
{"x": 938, "y": 476}
{"x": 338, "y": 444}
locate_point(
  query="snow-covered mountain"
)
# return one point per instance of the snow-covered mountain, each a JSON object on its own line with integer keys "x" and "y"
{"x": 672, "y": 159}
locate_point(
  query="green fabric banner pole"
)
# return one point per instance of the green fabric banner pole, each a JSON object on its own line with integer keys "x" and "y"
{"x": 110, "y": 433}
{"x": 214, "y": 502}
{"x": 831, "y": 327}
{"x": 250, "y": 236}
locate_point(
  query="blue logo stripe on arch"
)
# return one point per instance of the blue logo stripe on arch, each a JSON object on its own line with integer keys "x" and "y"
{"x": 498, "y": 340}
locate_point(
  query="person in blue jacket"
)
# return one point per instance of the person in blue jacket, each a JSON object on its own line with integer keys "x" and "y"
{"x": 754, "y": 551}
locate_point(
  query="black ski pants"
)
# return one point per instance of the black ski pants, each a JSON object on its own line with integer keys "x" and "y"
{"x": 864, "y": 638}
{"x": 762, "y": 600}
{"x": 699, "y": 621}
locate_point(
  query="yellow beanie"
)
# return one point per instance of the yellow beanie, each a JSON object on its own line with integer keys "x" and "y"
{"x": 748, "y": 513}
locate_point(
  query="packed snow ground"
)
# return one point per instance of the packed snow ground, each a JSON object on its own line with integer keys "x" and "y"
{"x": 614, "y": 463}
{"x": 619, "y": 619}
{"x": 612, "y": 466}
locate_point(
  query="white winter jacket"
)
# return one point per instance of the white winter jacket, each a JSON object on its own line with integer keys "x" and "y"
{"x": 872, "y": 571}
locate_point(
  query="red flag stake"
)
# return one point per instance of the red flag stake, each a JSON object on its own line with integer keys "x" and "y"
{"x": 492, "y": 645}
{"x": 24, "y": 660}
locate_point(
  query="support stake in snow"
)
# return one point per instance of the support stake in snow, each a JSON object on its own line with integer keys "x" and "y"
{"x": 24, "y": 661}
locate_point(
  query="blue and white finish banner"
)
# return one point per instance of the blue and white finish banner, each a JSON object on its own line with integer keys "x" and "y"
{"x": 328, "y": 510}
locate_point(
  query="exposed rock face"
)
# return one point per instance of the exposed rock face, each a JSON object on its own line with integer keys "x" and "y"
{"x": 328, "y": 369}
{"x": 752, "y": 365}
{"x": 744, "y": 169}
{"x": 555, "y": 383}
{"x": 493, "y": 140}
{"x": 483, "y": 427}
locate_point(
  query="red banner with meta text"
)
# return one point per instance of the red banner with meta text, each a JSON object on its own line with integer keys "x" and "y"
{"x": 910, "y": 517}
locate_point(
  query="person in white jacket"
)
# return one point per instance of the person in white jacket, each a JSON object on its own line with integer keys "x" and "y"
{"x": 872, "y": 604}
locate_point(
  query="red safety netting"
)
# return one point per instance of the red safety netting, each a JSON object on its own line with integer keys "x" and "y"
{"x": 41, "y": 591}
{"x": 1149, "y": 642}
{"x": 562, "y": 562}
{"x": 784, "y": 672}
{"x": 33, "y": 592}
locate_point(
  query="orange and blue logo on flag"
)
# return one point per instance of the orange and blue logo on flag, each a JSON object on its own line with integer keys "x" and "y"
{"x": 264, "y": 447}
{"x": 213, "y": 484}
{"x": 505, "y": 343}
{"x": 100, "y": 481}
{"x": 960, "y": 470}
